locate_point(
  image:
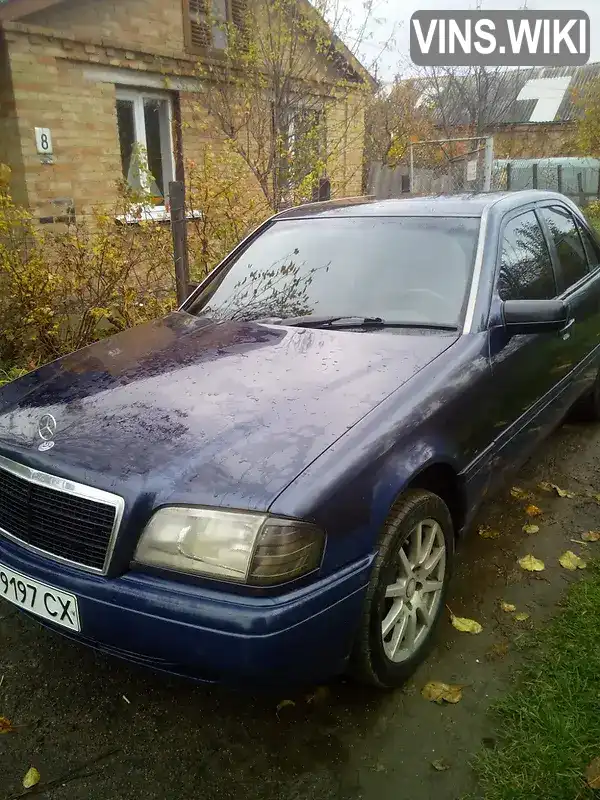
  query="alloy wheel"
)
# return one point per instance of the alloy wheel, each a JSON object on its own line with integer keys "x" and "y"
{"x": 413, "y": 599}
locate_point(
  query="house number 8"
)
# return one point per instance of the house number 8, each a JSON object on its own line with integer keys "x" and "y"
{"x": 43, "y": 141}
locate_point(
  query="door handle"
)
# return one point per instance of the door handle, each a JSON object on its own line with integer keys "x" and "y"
{"x": 564, "y": 332}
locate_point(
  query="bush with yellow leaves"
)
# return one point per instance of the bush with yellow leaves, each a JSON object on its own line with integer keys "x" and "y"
{"x": 66, "y": 286}
{"x": 220, "y": 187}
{"x": 592, "y": 212}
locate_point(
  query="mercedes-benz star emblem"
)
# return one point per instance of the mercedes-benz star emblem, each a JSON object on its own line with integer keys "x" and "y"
{"x": 47, "y": 427}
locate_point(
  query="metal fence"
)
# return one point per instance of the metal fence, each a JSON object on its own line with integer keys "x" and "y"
{"x": 451, "y": 166}
{"x": 578, "y": 178}
{"x": 436, "y": 168}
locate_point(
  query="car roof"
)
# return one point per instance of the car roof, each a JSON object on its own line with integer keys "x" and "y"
{"x": 457, "y": 205}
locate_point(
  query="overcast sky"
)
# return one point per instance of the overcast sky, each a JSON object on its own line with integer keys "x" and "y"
{"x": 395, "y": 18}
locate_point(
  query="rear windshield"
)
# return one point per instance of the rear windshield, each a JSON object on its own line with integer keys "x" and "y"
{"x": 408, "y": 270}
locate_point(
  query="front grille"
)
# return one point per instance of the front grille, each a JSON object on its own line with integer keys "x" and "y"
{"x": 59, "y": 522}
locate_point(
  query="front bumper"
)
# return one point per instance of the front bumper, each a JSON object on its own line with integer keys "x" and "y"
{"x": 303, "y": 636}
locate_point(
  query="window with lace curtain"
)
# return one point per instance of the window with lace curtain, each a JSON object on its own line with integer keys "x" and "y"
{"x": 208, "y": 23}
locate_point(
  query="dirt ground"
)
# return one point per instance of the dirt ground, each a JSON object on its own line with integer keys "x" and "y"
{"x": 96, "y": 728}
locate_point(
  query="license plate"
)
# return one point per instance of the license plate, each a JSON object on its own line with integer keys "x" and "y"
{"x": 39, "y": 599}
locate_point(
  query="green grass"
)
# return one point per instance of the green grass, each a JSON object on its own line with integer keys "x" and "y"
{"x": 549, "y": 723}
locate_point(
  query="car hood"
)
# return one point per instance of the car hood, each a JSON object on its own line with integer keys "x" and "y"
{"x": 222, "y": 413}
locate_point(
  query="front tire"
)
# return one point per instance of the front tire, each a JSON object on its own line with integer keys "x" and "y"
{"x": 407, "y": 591}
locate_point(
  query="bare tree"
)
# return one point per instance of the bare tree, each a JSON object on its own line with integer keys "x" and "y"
{"x": 472, "y": 100}
{"x": 394, "y": 119}
{"x": 288, "y": 95}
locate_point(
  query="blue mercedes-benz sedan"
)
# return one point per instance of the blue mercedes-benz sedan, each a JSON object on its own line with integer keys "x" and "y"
{"x": 268, "y": 485}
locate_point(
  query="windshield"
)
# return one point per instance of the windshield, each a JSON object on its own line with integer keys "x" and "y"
{"x": 404, "y": 270}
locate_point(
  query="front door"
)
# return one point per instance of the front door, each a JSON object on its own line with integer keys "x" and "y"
{"x": 529, "y": 370}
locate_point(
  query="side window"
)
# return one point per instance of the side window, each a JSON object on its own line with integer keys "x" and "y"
{"x": 591, "y": 247}
{"x": 525, "y": 268}
{"x": 569, "y": 246}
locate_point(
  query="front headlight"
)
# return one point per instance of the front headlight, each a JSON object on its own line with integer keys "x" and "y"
{"x": 234, "y": 545}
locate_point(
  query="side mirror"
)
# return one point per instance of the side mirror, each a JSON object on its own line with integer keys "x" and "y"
{"x": 534, "y": 316}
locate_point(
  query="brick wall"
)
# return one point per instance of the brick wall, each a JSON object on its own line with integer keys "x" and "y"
{"x": 10, "y": 146}
{"x": 528, "y": 140}
{"x": 537, "y": 141}
{"x": 132, "y": 23}
{"x": 345, "y": 134}
{"x": 51, "y": 92}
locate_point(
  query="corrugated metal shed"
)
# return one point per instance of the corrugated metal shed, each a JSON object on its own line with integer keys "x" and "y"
{"x": 520, "y": 96}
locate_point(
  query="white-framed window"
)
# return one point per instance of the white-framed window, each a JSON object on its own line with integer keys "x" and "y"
{"x": 146, "y": 142}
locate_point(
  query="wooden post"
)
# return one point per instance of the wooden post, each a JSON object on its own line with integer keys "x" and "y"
{"x": 559, "y": 177}
{"x": 534, "y": 170}
{"x": 179, "y": 232}
{"x": 580, "y": 191}
{"x": 508, "y": 176}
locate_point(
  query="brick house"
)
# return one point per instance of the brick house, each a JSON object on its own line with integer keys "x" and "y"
{"x": 84, "y": 82}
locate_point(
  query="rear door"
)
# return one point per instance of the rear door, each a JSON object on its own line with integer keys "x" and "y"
{"x": 579, "y": 284}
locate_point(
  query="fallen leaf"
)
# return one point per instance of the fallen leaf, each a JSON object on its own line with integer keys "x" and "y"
{"x": 285, "y": 704}
{"x": 522, "y": 616}
{"x": 6, "y": 725}
{"x": 571, "y": 561}
{"x": 531, "y": 528}
{"x": 531, "y": 564}
{"x": 440, "y": 765}
{"x": 465, "y": 625}
{"x": 562, "y": 492}
{"x": 32, "y": 778}
{"x": 591, "y": 536}
{"x": 488, "y": 533}
{"x": 533, "y": 511}
{"x": 552, "y": 487}
{"x": 319, "y": 695}
{"x": 519, "y": 494}
{"x": 508, "y": 607}
{"x": 592, "y": 774}
{"x": 437, "y": 692}
{"x": 498, "y": 650}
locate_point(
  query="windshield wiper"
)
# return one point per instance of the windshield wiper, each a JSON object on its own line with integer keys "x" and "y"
{"x": 315, "y": 321}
